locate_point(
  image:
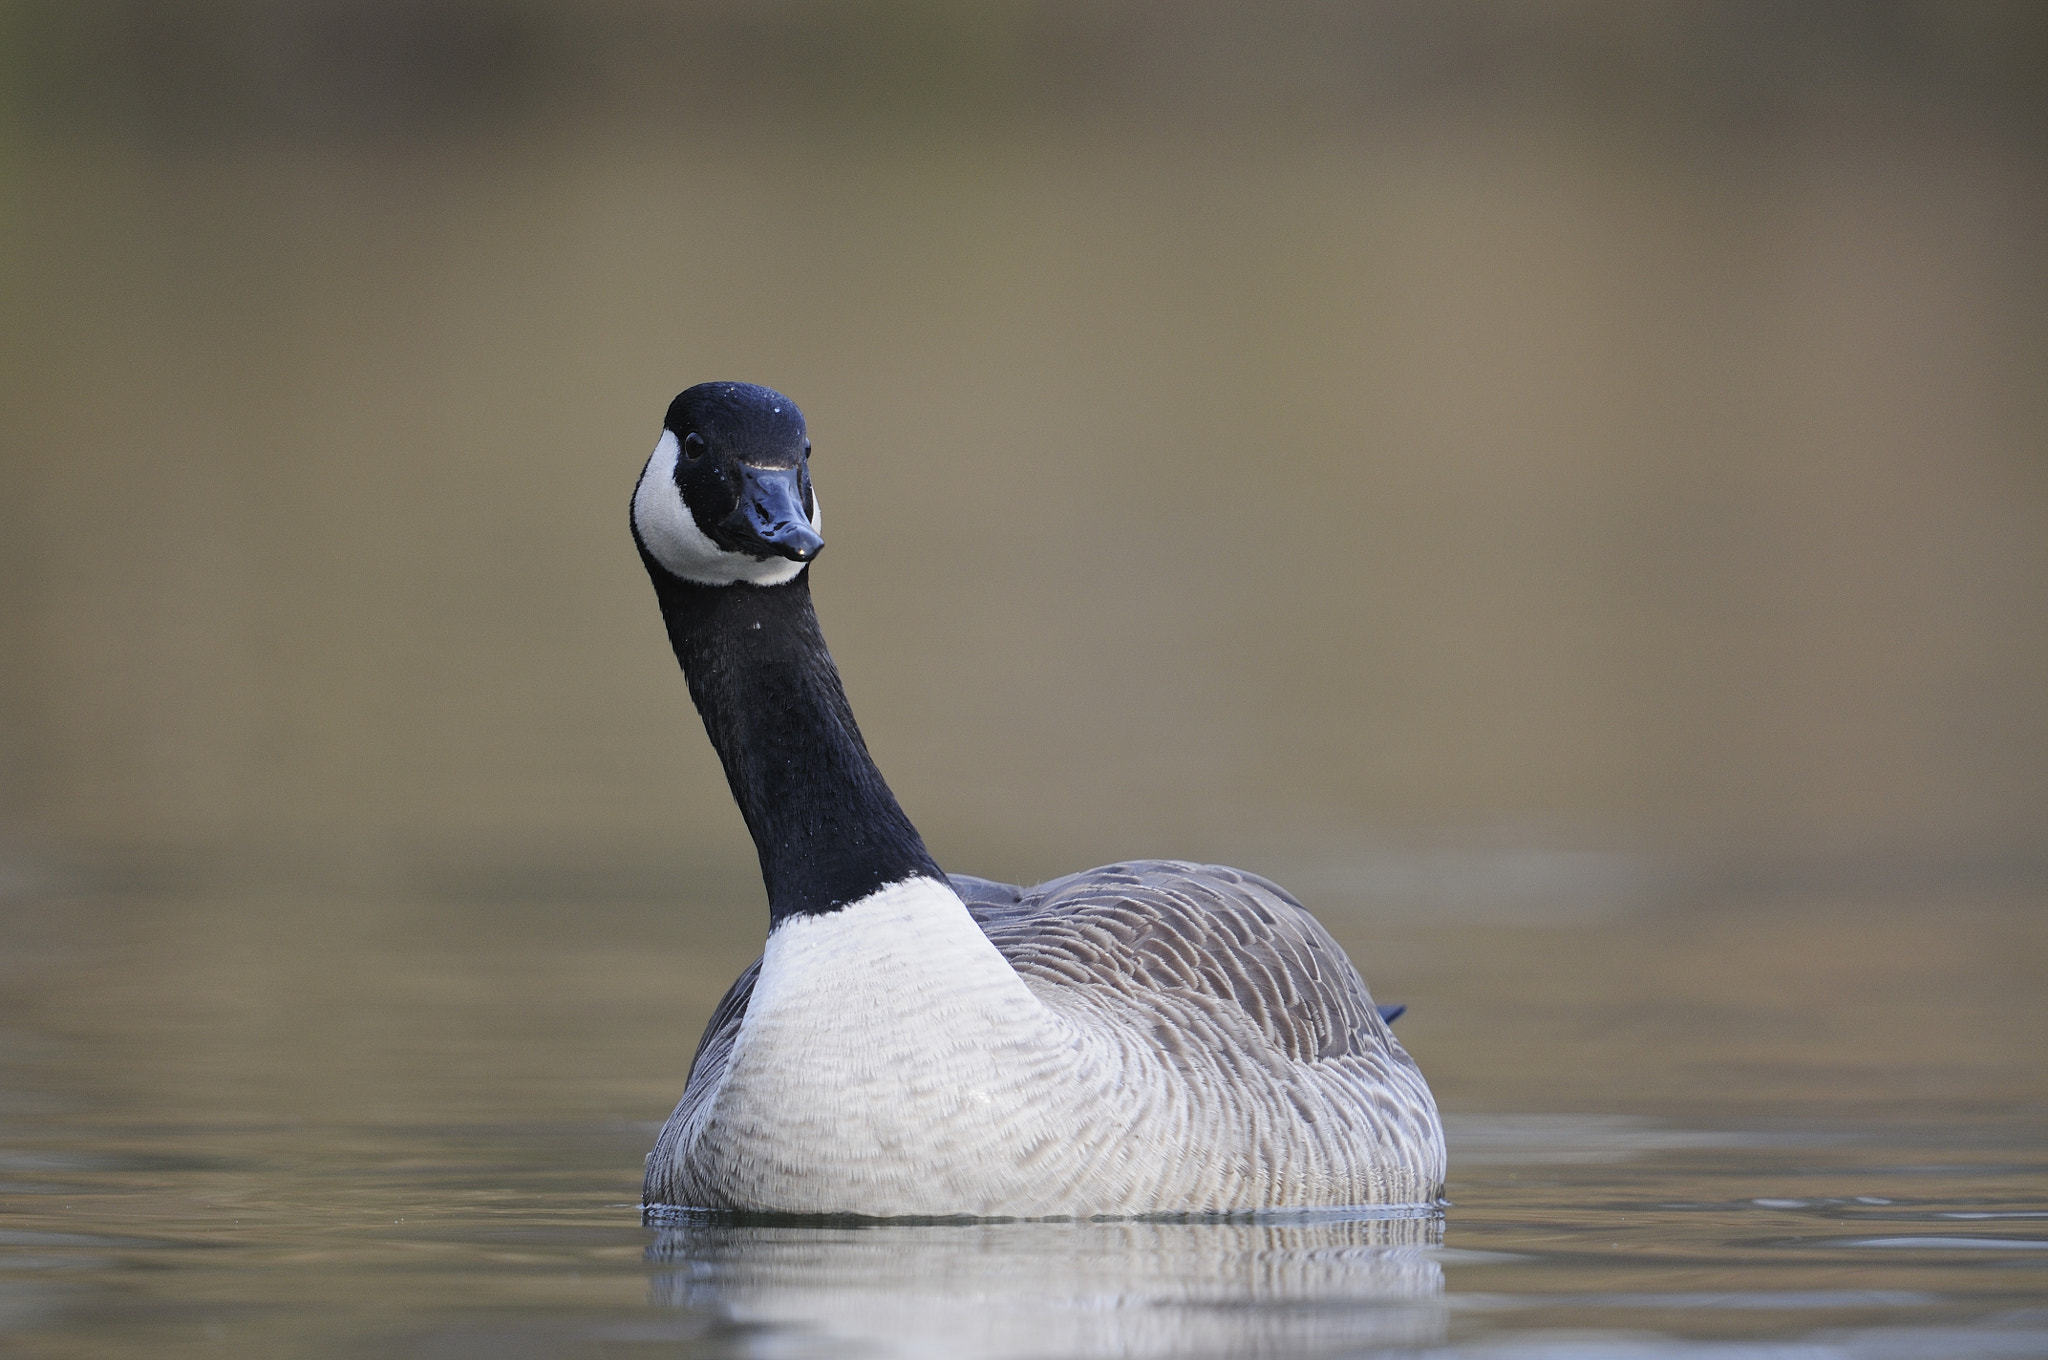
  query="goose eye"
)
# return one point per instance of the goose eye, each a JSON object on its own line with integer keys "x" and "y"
{"x": 693, "y": 447}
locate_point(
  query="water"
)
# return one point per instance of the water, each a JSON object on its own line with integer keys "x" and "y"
{"x": 282, "y": 1124}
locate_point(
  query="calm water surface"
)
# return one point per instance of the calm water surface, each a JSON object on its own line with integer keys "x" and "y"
{"x": 276, "y": 1124}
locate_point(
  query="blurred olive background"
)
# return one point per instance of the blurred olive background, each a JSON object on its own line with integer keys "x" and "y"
{"x": 1445, "y": 451}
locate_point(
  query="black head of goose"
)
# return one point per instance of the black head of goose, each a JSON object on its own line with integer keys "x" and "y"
{"x": 1149, "y": 1037}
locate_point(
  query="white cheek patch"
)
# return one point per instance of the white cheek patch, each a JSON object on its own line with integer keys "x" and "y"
{"x": 671, "y": 534}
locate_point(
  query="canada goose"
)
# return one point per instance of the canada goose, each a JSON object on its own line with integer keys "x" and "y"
{"x": 1151, "y": 1037}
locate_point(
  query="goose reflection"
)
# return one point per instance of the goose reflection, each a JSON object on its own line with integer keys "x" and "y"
{"x": 1305, "y": 1286}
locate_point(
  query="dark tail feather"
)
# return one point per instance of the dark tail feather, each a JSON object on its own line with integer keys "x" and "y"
{"x": 1391, "y": 1013}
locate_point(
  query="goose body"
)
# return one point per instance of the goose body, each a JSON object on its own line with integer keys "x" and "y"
{"x": 1150, "y": 1037}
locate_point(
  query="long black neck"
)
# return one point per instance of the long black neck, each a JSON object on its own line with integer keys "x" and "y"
{"x": 827, "y": 828}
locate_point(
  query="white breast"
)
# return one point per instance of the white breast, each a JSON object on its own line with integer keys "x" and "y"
{"x": 890, "y": 1063}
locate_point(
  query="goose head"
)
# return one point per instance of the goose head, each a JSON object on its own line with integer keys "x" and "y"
{"x": 726, "y": 499}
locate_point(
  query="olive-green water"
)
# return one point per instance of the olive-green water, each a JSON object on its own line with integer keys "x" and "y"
{"x": 301, "y": 1126}
{"x": 1561, "y": 488}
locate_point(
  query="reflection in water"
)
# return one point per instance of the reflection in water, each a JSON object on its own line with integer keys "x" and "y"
{"x": 1301, "y": 1287}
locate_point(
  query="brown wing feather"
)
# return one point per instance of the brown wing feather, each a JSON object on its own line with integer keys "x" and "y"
{"x": 1193, "y": 930}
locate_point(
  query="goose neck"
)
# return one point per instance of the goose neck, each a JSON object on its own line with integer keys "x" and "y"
{"x": 827, "y": 829}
